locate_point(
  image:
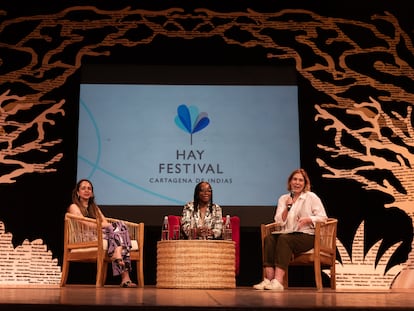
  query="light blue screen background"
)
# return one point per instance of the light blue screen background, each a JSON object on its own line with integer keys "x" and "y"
{"x": 127, "y": 136}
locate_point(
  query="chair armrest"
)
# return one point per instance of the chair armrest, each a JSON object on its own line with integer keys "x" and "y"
{"x": 325, "y": 232}
{"x": 269, "y": 228}
{"x": 136, "y": 230}
{"x": 80, "y": 231}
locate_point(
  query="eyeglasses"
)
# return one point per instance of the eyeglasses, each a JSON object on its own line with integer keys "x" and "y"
{"x": 206, "y": 190}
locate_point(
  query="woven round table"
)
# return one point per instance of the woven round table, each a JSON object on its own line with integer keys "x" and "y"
{"x": 196, "y": 264}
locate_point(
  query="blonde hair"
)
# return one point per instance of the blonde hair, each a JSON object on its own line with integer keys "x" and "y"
{"x": 305, "y": 177}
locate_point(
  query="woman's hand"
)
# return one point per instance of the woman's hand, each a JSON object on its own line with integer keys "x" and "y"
{"x": 204, "y": 232}
{"x": 303, "y": 222}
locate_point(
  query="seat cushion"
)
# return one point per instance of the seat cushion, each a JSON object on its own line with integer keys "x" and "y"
{"x": 134, "y": 244}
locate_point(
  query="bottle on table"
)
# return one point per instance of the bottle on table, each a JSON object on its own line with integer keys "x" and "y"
{"x": 165, "y": 231}
{"x": 227, "y": 231}
{"x": 193, "y": 230}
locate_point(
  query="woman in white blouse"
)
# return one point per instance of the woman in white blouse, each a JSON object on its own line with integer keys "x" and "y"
{"x": 297, "y": 212}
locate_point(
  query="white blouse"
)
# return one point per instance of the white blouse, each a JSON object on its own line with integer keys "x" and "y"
{"x": 308, "y": 204}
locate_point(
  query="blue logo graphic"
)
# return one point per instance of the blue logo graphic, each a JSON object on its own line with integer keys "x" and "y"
{"x": 190, "y": 121}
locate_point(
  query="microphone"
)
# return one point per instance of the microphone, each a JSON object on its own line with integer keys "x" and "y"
{"x": 289, "y": 206}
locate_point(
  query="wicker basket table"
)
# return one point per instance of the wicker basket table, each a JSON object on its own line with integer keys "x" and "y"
{"x": 196, "y": 264}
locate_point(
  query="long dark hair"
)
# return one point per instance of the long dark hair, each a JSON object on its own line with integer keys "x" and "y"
{"x": 92, "y": 209}
{"x": 197, "y": 196}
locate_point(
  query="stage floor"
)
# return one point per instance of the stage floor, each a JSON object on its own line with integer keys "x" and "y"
{"x": 242, "y": 298}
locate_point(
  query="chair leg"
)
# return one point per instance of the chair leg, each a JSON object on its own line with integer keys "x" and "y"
{"x": 65, "y": 271}
{"x": 333, "y": 277}
{"x": 100, "y": 273}
{"x": 140, "y": 273}
{"x": 104, "y": 272}
{"x": 318, "y": 274}
{"x": 286, "y": 279}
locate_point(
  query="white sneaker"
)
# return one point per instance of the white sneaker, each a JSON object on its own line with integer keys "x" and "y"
{"x": 262, "y": 285}
{"x": 274, "y": 285}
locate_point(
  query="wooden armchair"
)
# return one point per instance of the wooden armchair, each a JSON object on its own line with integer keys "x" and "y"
{"x": 84, "y": 242}
{"x": 323, "y": 254}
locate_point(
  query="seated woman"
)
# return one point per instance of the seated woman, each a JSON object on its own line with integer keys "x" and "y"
{"x": 202, "y": 215}
{"x": 297, "y": 211}
{"x": 119, "y": 243}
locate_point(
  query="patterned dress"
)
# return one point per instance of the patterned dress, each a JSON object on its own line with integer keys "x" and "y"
{"x": 117, "y": 235}
{"x": 212, "y": 220}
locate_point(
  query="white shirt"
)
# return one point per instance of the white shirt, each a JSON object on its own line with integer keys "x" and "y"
{"x": 308, "y": 204}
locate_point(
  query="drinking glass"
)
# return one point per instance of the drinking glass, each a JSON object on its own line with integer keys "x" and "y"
{"x": 176, "y": 232}
{"x": 204, "y": 232}
{"x": 193, "y": 233}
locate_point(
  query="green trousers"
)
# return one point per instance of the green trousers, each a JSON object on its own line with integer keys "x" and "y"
{"x": 278, "y": 248}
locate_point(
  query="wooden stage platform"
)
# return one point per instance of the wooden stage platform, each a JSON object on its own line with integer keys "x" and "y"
{"x": 82, "y": 298}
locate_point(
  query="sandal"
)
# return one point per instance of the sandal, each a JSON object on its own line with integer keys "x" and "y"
{"x": 128, "y": 284}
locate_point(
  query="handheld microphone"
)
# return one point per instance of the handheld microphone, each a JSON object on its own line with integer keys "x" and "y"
{"x": 289, "y": 206}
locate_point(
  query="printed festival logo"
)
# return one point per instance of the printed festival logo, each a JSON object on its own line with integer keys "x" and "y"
{"x": 190, "y": 120}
